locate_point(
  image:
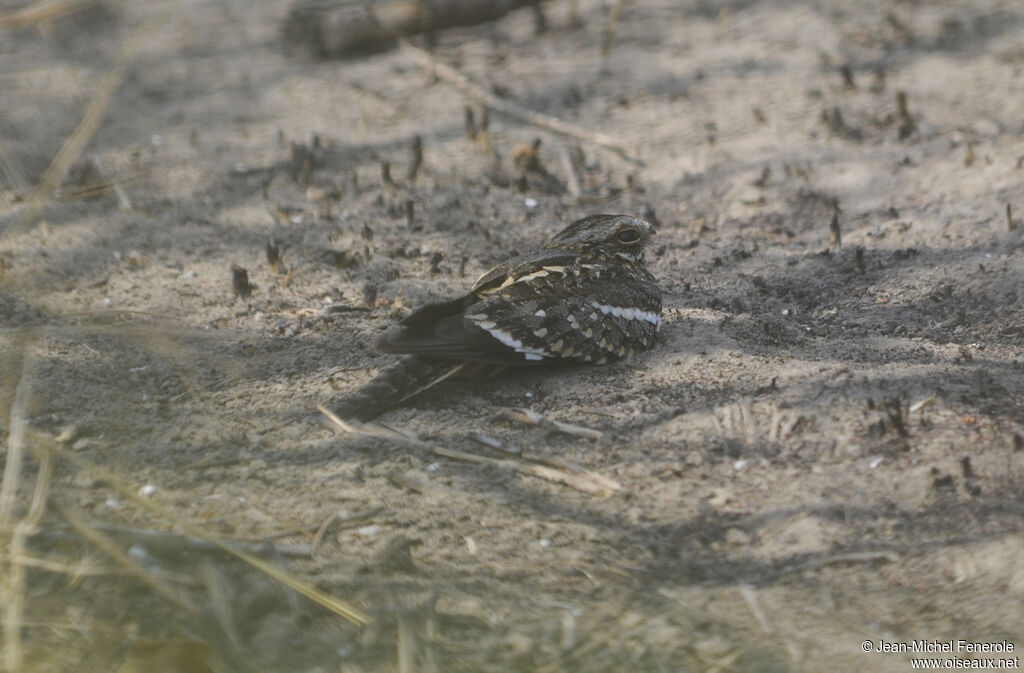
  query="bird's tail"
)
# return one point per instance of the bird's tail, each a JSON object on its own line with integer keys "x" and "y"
{"x": 406, "y": 378}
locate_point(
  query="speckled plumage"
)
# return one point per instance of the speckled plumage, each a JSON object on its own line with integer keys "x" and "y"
{"x": 585, "y": 297}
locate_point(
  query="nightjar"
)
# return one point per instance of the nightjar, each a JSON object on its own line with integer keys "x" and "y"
{"x": 585, "y": 297}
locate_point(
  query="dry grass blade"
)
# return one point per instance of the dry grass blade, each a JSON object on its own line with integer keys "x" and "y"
{"x": 17, "y": 434}
{"x": 14, "y": 591}
{"x": 111, "y": 183}
{"x": 85, "y": 567}
{"x": 11, "y": 169}
{"x": 921, "y": 404}
{"x": 749, "y": 595}
{"x": 164, "y": 542}
{"x": 45, "y": 10}
{"x": 452, "y": 75}
{"x": 406, "y": 646}
{"x": 73, "y": 570}
{"x": 609, "y": 30}
{"x": 137, "y": 570}
{"x": 572, "y": 175}
{"x": 304, "y": 588}
{"x": 370, "y": 429}
{"x": 86, "y": 129}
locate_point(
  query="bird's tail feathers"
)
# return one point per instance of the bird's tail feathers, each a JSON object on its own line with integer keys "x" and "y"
{"x": 403, "y": 380}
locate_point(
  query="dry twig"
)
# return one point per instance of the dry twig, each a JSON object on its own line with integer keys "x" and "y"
{"x": 581, "y": 480}
{"x": 452, "y": 75}
{"x": 572, "y": 174}
{"x": 531, "y": 417}
{"x": 341, "y": 520}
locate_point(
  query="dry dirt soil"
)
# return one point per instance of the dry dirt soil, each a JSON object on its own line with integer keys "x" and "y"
{"x": 824, "y": 448}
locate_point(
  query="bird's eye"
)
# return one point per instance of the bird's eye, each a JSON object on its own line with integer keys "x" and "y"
{"x": 628, "y": 236}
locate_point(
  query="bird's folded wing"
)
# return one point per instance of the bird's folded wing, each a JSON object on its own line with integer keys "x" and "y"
{"x": 442, "y": 330}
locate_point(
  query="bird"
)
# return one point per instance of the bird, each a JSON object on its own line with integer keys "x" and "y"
{"x": 584, "y": 297}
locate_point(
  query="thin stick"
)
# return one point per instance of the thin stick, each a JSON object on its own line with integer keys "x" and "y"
{"x": 883, "y": 555}
{"x": 453, "y": 76}
{"x": 531, "y": 417}
{"x": 572, "y": 180}
{"x": 581, "y": 480}
{"x": 585, "y": 481}
{"x": 609, "y": 30}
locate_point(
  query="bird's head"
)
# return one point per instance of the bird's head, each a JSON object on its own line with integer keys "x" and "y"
{"x": 622, "y": 235}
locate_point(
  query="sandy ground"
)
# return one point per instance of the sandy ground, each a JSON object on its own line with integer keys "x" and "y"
{"x": 825, "y": 447}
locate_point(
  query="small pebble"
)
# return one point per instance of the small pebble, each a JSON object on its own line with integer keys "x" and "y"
{"x": 369, "y": 531}
{"x": 68, "y": 434}
{"x": 139, "y": 553}
{"x": 147, "y": 490}
{"x": 719, "y": 497}
{"x": 737, "y": 537}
